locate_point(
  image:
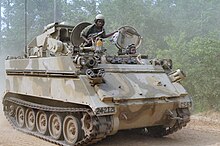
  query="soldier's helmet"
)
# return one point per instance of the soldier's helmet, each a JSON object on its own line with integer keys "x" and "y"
{"x": 99, "y": 17}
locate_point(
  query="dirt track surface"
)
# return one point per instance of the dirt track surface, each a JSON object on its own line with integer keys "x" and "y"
{"x": 199, "y": 132}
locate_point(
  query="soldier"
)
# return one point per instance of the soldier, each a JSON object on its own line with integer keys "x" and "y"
{"x": 94, "y": 30}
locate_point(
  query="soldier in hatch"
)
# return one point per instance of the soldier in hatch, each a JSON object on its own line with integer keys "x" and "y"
{"x": 94, "y": 30}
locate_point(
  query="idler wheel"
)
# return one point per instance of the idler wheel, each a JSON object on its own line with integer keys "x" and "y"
{"x": 55, "y": 126}
{"x": 71, "y": 129}
{"x": 30, "y": 119}
{"x": 11, "y": 110}
{"x": 41, "y": 122}
{"x": 20, "y": 114}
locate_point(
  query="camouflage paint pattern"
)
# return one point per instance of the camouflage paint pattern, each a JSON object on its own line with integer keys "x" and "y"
{"x": 141, "y": 94}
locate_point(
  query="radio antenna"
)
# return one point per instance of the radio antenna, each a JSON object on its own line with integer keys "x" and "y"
{"x": 54, "y": 11}
{"x": 25, "y": 27}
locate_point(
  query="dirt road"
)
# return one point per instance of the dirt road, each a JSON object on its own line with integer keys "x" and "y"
{"x": 200, "y": 132}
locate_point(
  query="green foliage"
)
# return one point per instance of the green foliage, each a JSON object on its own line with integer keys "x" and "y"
{"x": 199, "y": 58}
{"x": 204, "y": 55}
{"x": 185, "y": 31}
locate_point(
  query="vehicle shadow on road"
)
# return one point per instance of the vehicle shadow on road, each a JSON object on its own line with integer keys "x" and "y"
{"x": 190, "y": 137}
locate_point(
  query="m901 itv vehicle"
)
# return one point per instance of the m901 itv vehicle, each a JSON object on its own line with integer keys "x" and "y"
{"x": 69, "y": 94}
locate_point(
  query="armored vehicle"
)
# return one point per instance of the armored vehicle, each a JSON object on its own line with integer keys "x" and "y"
{"x": 69, "y": 94}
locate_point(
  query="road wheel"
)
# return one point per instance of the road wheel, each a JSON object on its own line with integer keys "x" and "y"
{"x": 41, "y": 122}
{"x": 20, "y": 114}
{"x": 55, "y": 126}
{"x": 71, "y": 129}
{"x": 30, "y": 119}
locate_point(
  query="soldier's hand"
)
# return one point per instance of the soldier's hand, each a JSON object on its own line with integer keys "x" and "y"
{"x": 115, "y": 31}
{"x": 88, "y": 40}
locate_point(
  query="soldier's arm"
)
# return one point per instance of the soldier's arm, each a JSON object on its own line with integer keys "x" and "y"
{"x": 108, "y": 35}
{"x": 84, "y": 38}
{"x": 84, "y": 34}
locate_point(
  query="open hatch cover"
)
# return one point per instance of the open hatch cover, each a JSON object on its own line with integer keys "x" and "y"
{"x": 127, "y": 36}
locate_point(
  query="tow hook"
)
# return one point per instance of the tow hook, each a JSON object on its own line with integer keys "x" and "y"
{"x": 172, "y": 116}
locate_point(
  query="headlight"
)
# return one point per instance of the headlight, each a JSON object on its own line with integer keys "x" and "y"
{"x": 90, "y": 73}
{"x": 82, "y": 61}
{"x": 177, "y": 75}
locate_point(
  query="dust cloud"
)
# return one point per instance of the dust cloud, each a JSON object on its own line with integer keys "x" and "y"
{"x": 2, "y": 74}
{"x": 2, "y": 88}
